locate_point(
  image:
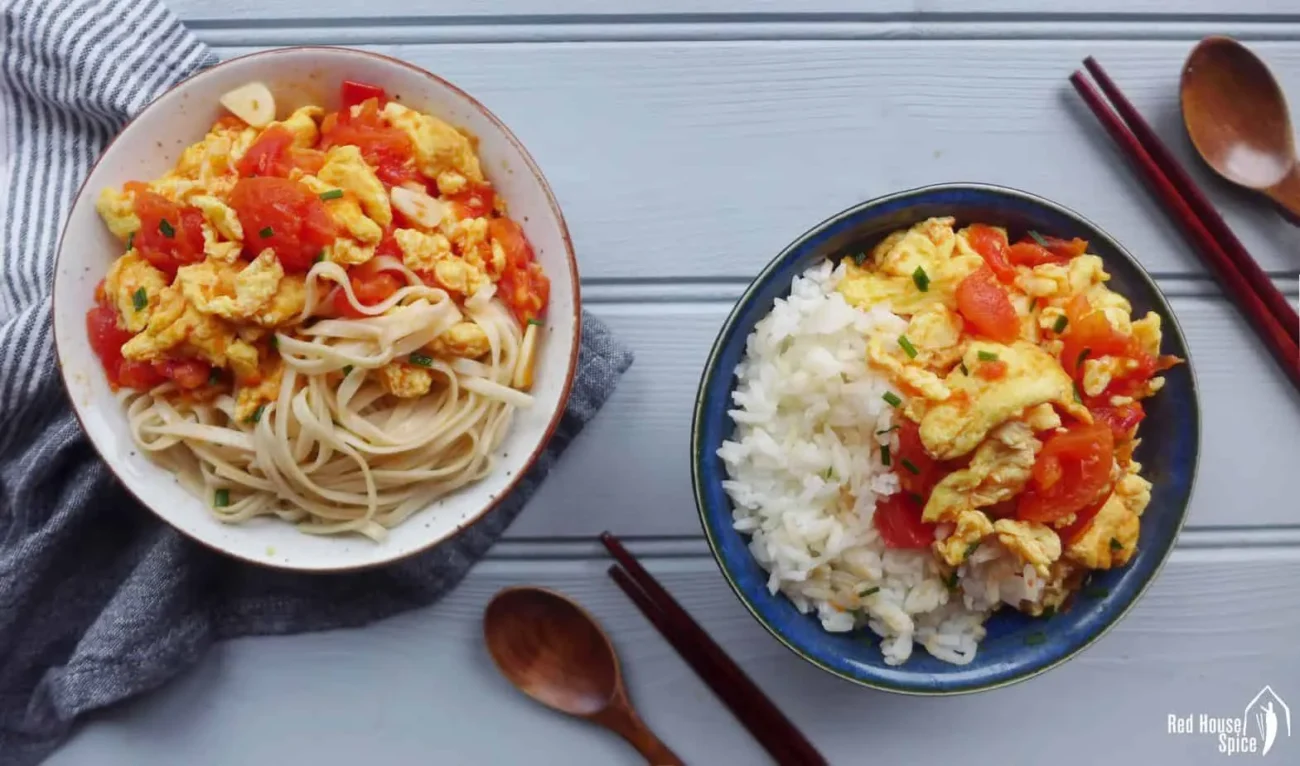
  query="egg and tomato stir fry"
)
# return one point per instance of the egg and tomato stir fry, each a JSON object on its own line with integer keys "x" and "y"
{"x": 1022, "y": 377}
{"x": 217, "y": 249}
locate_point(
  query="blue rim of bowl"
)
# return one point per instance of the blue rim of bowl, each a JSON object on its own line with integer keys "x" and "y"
{"x": 712, "y": 370}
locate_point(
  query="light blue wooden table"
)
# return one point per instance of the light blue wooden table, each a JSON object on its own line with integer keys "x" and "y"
{"x": 688, "y": 141}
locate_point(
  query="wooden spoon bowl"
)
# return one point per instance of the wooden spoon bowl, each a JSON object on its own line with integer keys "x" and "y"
{"x": 1236, "y": 116}
{"x": 555, "y": 652}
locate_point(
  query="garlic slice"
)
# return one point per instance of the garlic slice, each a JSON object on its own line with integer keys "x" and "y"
{"x": 252, "y": 103}
{"x": 418, "y": 207}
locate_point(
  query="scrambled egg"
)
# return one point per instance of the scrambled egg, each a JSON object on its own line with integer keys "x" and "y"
{"x": 405, "y": 380}
{"x": 177, "y": 325}
{"x": 924, "y": 254}
{"x": 303, "y": 125}
{"x": 463, "y": 339}
{"x": 116, "y": 207}
{"x": 346, "y": 211}
{"x": 345, "y": 169}
{"x": 285, "y": 305}
{"x": 438, "y": 146}
{"x": 1111, "y": 539}
{"x": 1035, "y": 544}
{"x": 954, "y": 427}
{"x": 972, "y": 527}
{"x": 998, "y": 472}
{"x": 432, "y": 254}
{"x": 259, "y": 390}
{"x": 216, "y": 287}
{"x": 135, "y": 287}
{"x": 220, "y": 215}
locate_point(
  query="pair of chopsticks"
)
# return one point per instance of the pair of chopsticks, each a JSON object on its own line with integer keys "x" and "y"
{"x": 1243, "y": 280}
{"x": 750, "y": 705}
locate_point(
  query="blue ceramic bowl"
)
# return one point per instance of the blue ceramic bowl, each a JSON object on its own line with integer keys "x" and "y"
{"x": 1169, "y": 449}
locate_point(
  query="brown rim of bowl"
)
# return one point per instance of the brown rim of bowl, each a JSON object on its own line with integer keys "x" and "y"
{"x": 573, "y": 275}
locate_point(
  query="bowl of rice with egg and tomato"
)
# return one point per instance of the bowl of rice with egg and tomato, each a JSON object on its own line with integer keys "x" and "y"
{"x": 946, "y": 439}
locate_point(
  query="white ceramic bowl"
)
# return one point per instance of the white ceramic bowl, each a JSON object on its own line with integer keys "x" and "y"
{"x": 150, "y": 145}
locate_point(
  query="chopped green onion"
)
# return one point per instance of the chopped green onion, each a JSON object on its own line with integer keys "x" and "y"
{"x": 1078, "y": 397}
{"x": 1049, "y": 612}
{"x": 869, "y": 591}
{"x": 891, "y": 429}
{"x": 1096, "y": 591}
{"x": 332, "y": 194}
{"x": 1061, "y": 323}
{"x": 166, "y": 228}
{"x": 257, "y": 413}
{"x": 859, "y": 258}
{"x": 130, "y": 241}
{"x": 1116, "y": 545}
{"x": 422, "y": 360}
{"x": 347, "y": 370}
{"x": 319, "y": 257}
{"x": 884, "y": 455}
{"x": 987, "y": 356}
{"x": 908, "y": 348}
{"x": 951, "y": 580}
{"x": 214, "y": 376}
{"x": 828, "y": 474}
{"x": 221, "y": 498}
{"x": 1082, "y": 355}
{"x": 1038, "y": 238}
{"x": 921, "y": 279}
{"x": 275, "y": 341}
{"x": 266, "y": 232}
{"x": 1033, "y": 302}
{"x": 971, "y": 548}
{"x": 1036, "y": 638}
{"x": 916, "y": 498}
{"x": 139, "y": 299}
{"x": 909, "y": 465}
{"x": 964, "y": 370}
{"x": 535, "y": 321}
{"x": 892, "y": 399}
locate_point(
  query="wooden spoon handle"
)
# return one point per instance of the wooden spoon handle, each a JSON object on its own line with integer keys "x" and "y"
{"x": 1287, "y": 194}
{"x": 620, "y": 718}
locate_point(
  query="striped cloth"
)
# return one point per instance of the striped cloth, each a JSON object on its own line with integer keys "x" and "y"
{"x": 99, "y": 600}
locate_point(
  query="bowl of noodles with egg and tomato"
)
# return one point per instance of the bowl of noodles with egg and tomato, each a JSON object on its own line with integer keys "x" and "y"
{"x": 317, "y": 308}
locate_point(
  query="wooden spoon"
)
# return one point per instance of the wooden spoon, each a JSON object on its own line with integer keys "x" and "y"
{"x": 1237, "y": 118}
{"x": 556, "y": 653}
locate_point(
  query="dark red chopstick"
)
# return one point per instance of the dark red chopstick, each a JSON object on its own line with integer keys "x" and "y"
{"x": 782, "y": 740}
{"x": 1263, "y": 286}
{"x": 1276, "y": 339}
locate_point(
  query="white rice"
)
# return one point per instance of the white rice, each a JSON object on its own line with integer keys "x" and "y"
{"x": 805, "y": 474}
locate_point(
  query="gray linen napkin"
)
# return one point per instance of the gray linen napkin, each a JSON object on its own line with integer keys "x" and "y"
{"x": 99, "y": 600}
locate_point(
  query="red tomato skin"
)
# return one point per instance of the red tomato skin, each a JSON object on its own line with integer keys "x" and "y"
{"x": 353, "y": 93}
{"x": 169, "y": 236}
{"x": 106, "y": 339}
{"x": 898, "y": 520}
{"x": 268, "y": 155}
{"x": 282, "y": 214}
{"x": 1033, "y": 254}
{"x": 1072, "y": 471}
{"x": 189, "y": 374}
{"x": 387, "y": 149}
{"x": 992, "y": 247}
{"x": 370, "y": 285}
{"x": 1082, "y": 520}
{"x": 1123, "y": 419}
{"x": 1066, "y": 248}
{"x": 910, "y": 448}
{"x": 982, "y": 302}
{"x": 523, "y": 286}
{"x": 140, "y": 376}
{"x": 473, "y": 202}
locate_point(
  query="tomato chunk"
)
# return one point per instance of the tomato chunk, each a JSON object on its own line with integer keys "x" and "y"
{"x": 1082, "y": 520}
{"x": 992, "y": 246}
{"x": 983, "y": 303}
{"x": 898, "y": 520}
{"x": 917, "y": 471}
{"x": 523, "y": 286}
{"x": 189, "y": 374}
{"x": 384, "y": 148}
{"x": 106, "y": 339}
{"x": 282, "y": 214}
{"x": 472, "y": 202}
{"x": 370, "y": 284}
{"x": 354, "y": 92}
{"x": 1122, "y": 419}
{"x": 170, "y": 236}
{"x": 1066, "y": 248}
{"x": 1072, "y": 471}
